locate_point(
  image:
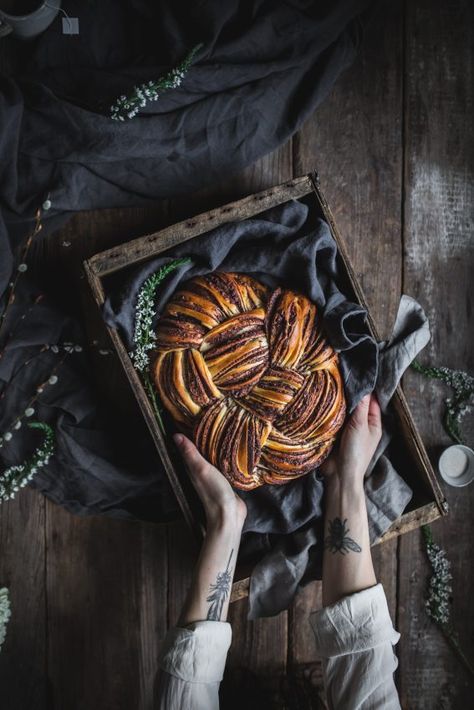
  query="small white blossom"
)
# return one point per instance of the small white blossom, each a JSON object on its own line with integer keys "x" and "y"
{"x": 22, "y": 268}
{"x": 129, "y": 106}
{"x": 19, "y": 475}
{"x": 47, "y": 205}
{"x": 439, "y": 588}
{"x": 53, "y": 379}
{"x": 462, "y": 400}
{"x": 7, "y": 436}
{"x": 5, "y": 613}
{"x": 17, "y": 425}
{"x": 29, "y": 411}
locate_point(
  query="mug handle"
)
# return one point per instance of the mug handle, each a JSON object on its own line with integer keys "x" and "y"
{"x": 5, "y": 29}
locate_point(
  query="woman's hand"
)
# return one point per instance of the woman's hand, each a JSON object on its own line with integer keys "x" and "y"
{"x": 221, "y": 503}
{"x": 359, "y": 440}
{"x": 209, "y": 595}
{"x": 347, "y": 561}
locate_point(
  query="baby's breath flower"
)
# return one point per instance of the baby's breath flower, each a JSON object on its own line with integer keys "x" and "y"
{"x": 129, "y": 106}
{"x": 461, "y": 401}
{"x": 439, "y": 595}
{"x": 20, "y": 475}
{"x": 144, "y": 335}
{"x": 5, "y": 613}
{"x": 439, "y": 587}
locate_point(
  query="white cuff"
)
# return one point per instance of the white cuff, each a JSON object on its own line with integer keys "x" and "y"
{"x": 198, "y": 652}
{"x": 356, "y": 623}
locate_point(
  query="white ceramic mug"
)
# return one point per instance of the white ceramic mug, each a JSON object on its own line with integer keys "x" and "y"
{"x": 30, "y": 24}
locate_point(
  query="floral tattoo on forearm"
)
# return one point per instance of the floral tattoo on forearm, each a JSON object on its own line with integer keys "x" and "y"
{"x": 219, "y": 592}
{"x": 338, "y": 539}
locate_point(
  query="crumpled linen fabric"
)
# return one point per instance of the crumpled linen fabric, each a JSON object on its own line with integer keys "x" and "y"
{"x": 262, "y": 70}
{"x": 292, "y": 246}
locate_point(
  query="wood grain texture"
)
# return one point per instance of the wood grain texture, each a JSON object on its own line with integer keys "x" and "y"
{"x": 90, "y": 636}
{"x": 104, "y": 587}
{"x": 438, "y": 268}
{"x": 23, "y": 659}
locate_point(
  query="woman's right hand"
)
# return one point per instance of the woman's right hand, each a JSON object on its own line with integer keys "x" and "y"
{"x": 221, "y": 503}
{"x": 358, "y": 442}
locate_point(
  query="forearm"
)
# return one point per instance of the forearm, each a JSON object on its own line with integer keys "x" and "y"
{"x": 347, "y": 561}
{"x": 208, "y": 597}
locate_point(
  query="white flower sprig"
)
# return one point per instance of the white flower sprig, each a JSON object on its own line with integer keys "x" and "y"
{"x": 128, "y": 106}
{"x": 439, "y": 588}
{"x": 439, "y": 594}
{"x": 462, "y": 400}
{"x": 144, "y": 336}
{"x": 145, "y": 310}
{"x": 18, "y": 476}
{"x": 5, "y": 613}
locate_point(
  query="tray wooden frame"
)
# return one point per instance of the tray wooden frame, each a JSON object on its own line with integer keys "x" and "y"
{"x": 138, "y": 250}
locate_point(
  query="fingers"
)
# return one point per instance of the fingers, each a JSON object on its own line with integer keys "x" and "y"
{"x": 192, "y": 458}
{"x": 359, "y": 415}
{"x": 374, "y": 416}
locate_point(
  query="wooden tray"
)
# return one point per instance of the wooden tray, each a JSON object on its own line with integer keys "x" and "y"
{"x": 428, "y": 502}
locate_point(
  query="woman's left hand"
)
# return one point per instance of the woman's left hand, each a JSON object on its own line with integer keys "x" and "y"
{"x": 221, "y": 503}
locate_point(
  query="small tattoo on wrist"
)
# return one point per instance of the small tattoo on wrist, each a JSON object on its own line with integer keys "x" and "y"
{"x": 219, "y": 592}
{"x": 338, "y": 539}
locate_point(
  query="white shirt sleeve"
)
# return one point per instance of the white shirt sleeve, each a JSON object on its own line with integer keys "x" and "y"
{"x": 192, "y": 665}
{"x": 355, "y": 639}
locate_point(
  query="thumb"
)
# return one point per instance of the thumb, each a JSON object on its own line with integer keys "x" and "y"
{"x": 359, "y": 415}
{"x": 374, "y": 414}
{"x": 191, "y": 456}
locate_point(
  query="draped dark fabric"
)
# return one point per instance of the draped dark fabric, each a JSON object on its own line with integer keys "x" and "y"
{"x": 263, "y": 68}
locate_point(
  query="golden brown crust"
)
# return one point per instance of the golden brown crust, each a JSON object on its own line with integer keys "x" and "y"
{"x": 250, "y": 375}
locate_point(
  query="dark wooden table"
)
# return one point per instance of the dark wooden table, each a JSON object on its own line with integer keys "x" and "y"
{"x": 394, "y": 146}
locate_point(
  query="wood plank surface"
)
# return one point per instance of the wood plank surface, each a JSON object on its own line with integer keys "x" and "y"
{"x": 360, "y": 170}
{"x": 104, "y": 617}
{"x": 92, "y": 598}
{"x": 23, "y": 657}
{"x": 438, "y": 269}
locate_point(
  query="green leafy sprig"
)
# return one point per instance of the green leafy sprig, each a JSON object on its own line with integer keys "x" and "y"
{"x": 5, "y": 613}
{"x": 144, "y": 336}
{"x": 439, "y": 594}
{"x": 128, "y": 106}
{"x": 19, "y": 475}
{"x": 461, "y": 401}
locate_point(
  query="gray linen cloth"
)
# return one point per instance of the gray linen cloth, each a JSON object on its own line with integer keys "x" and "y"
{"x": 290, "y": 245}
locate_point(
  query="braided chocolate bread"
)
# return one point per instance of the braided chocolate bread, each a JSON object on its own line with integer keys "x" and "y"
{"x": 248, "y": 374}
